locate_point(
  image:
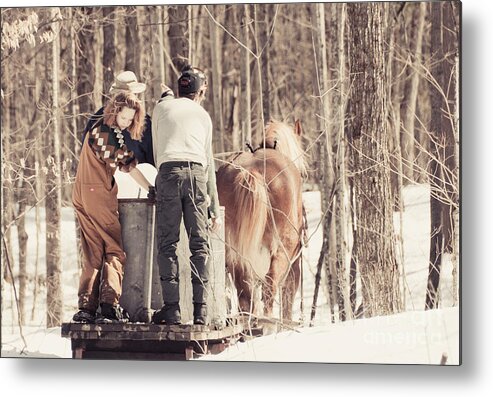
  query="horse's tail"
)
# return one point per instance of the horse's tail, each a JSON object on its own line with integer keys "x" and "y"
{"x": 251, "y": 198}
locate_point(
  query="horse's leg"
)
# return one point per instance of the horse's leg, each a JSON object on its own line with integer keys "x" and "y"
{"x": 278, "y": 268}
{"x": 268, "y": 294}
{"x": 244, "y": 289}
{"x": 289, "y": 289}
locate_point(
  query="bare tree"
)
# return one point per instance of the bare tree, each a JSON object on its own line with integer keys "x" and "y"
{"x": 444, "y": 126}
{"x": 159, "y": 50}
{"x": 343, "y": 221}
{"x": 325, "y": 117}
{"x": 7, "y": 177}
{"x": 178, "y": 40}
{"x": 380, "y": 103}
{"x": 245, "y": 70}
{"x": 216, "y": 86}
{"x": 109, "y": 50}
{"x": 53, "y": 202}
{"x": 368, "y": 132}
{"x": 132, "y": 39}
{"x": 86, "y": 60}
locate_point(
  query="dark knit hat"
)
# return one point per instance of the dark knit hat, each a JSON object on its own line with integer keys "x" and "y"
{"x": 191, "y": 80}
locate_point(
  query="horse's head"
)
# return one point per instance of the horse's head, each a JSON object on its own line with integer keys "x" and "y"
{"x": 287, "y": 140}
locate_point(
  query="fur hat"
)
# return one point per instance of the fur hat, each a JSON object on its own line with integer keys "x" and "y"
{"x": 127, "y": 81}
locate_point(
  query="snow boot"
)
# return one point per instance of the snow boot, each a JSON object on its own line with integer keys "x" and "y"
{"x": 84, "y": 316}
{"x": 111, "y": 314}
{"x": 199, "y": 313}
{"x": 169, "y": 314}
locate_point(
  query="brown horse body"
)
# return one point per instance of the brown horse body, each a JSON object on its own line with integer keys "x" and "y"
{"x": 261, "y": 192}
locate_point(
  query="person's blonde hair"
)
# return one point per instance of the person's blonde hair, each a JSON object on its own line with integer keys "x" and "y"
{"x": 116, "y": 105}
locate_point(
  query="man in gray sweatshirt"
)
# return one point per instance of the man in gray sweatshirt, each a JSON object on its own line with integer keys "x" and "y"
{"x": 185, "y": 186}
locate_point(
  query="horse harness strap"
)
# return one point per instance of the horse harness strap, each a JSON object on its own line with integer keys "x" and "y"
{"x": 252, "y": 150}
{"x": 264, "y": 146}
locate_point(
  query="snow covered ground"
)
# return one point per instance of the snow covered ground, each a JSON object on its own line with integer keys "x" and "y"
{"x": 414, "y": 336}
{"x": 42, "y": 377}
{"x": 408, "y": 338}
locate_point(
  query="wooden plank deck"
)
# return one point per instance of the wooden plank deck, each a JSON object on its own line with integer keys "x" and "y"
{"x": 141, "y": 341}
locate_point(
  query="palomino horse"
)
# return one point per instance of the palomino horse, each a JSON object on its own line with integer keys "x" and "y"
{"x": 261, "y": 192}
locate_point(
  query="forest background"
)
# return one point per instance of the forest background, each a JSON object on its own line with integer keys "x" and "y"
{"x": 375, "y": 85}
{"x": 292, "y": 99}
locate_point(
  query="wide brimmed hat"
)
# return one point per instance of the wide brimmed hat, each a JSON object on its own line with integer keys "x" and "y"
{"x": 127, "y": 81}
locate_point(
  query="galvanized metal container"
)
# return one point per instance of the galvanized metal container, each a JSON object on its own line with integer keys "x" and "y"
{"x": 141, "y": 289}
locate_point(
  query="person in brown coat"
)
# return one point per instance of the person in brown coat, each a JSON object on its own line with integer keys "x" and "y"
{"x": 96, "y": 204}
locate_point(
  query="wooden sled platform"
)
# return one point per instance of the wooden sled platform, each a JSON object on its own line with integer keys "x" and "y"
{"x": 142, "y": 341}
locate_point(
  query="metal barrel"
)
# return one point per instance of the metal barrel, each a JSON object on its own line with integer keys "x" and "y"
{"x": 217, "y": 286}
{"x": 139, "y": 292}
{"x": 216, "y": 291}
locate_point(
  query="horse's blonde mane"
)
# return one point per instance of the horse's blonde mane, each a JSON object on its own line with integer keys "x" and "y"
{"x": 287, "y": 143}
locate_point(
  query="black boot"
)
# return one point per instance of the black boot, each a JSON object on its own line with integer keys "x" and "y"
{"x": 200, "y": 313}
{"x": 169, "y": 314}
{"x": 84, "y": 316}
{"x": 112, "y": 314}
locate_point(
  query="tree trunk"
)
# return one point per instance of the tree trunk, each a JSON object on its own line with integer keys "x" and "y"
{"x": 216, "y": 86}
{"x": 235, "y": 120}
{"x": 322, "y": 78}
{"x": 443, "y": 164}
{"x": 132, "y": 43}
{"x": 436, "y": 207}
{"x": 159, "y": 71}
{"x": 353, "y": 267}
{"x": 263, "y": 16}
{"x": 22, "y": 199}
{"x": 109, "y": 50}
{"x": 41, "y": 93}
{"x": 39, "y": 192}
{"x": 53, "y": 202}
{"x": 368, "y": 134}
{"x": 266, "y": 33}
{"x": 395, "y": 143}
{"x": 262, "y": 102}
{"x": 343, "y": 213}
{"x": 7, "y": 185}
{"x": 177, "y": 34}
{"x": 86, "y": 69}
{"x": 323, "y": 260}
{"x": 76, "y": 135}
{"x": 245, "y": 92}
{"x": 411, "y": 94}
{"x": 455, "y": 95}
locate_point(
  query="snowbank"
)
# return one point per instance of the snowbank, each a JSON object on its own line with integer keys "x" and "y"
{"x": 406, "y": 338}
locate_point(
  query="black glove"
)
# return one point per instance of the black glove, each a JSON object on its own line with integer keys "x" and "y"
{"x": 151, "y": 195}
